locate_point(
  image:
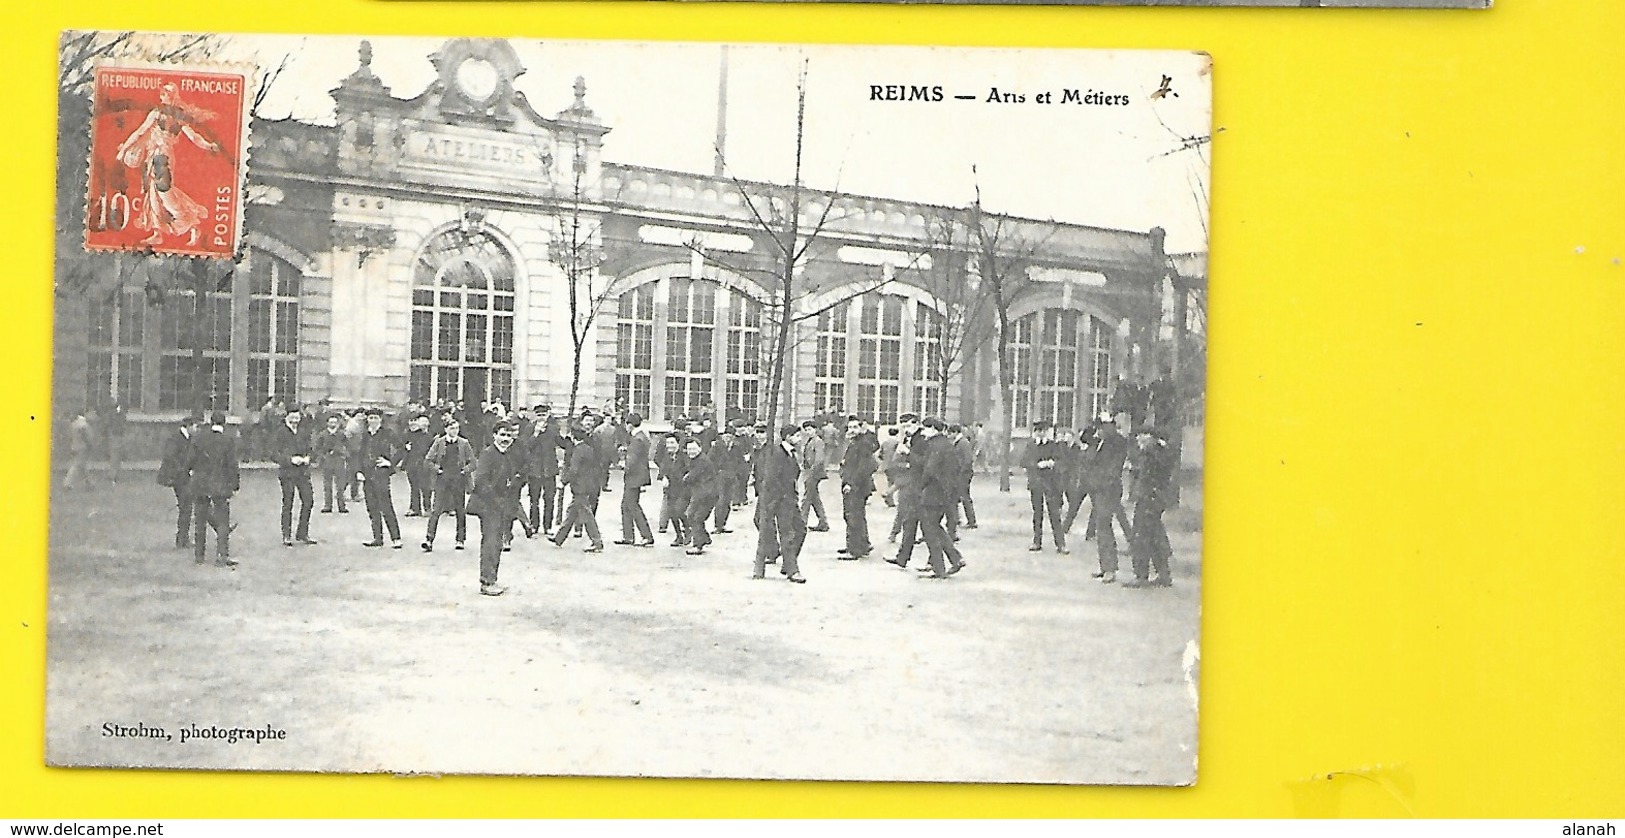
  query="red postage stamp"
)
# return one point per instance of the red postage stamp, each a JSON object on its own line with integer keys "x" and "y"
{"x": 168, "y": 147}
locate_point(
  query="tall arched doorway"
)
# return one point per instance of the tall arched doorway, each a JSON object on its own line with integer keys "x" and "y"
{"x": 463, "y": 319}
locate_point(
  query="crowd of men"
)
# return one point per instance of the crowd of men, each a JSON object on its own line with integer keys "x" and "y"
{"x": 535, "y": 474}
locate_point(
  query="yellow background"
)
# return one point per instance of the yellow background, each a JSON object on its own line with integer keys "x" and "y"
{"x": 1414, "y": 552}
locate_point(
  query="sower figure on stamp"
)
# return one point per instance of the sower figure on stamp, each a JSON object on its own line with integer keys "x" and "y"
{"x": 214, "y": 480}
{"x": 939, "y": 491}
{"x": 633, "y": 480}
{"x": 415, "y": 450}
{"x": 291, "y": 450}
{"x": 380, "y": 455}
{"x": 586, "y": 480}
{"x": 451, "y": 463}
{"x": 332, "y": 449}
{"x": 1106, "y": 490}
{"x": 1153, "y": 494}
{"x": 857, "y": 484}
{"x": 812, "y": 455}
{"x": 1045, "y": 461}
{"x": 497, "y": 477}
{"x": 783, "y": 526}
{"x": 175, "y": 471}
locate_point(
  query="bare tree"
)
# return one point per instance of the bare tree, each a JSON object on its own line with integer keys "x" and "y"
{"x": 1004, "y": 248}
{"x": 577, "y": 252}
{"x": 959, "y": 289}
{"x": 777, "y": 211}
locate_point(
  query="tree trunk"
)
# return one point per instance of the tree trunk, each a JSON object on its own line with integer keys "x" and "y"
{"x": 1006, "y": 396}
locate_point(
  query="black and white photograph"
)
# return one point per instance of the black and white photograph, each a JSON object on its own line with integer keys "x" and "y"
{"x": 628, "y": 409}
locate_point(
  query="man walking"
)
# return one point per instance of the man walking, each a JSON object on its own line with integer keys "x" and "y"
{"x": 633, "y": 479}
{"x": 495, "y": 500}
{"x": 783, "y": 524}
{"x": 175, "y": 471}
{"x": 909, "y": 471}
{"x": 939, "y": 491}
{"x": 857, "y": 484}
{"x": 214, "y": 479}
{"x": 729, "y": 456}
{"x": 332, "y": 449}
{"x": 1153, "y": 494}
{"x": 541, "y": 457}
{"x": 812, "y": 456}
{"x": 290, "y": 448}
{"x": 451, "y": 463}
{"x": 584, "y": 476}
{"x": 700, "y": 485}
{"x": 961, "y": 448}
{"x": 379, "y": 456}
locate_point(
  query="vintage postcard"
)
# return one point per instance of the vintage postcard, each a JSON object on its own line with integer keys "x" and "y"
{"x": 672, "y": 410}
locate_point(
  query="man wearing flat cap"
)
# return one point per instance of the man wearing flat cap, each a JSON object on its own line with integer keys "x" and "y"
{"x": 214, "y": 479}
{"x": 379, "y": 456}
{"x": 1153, "y": 494}
{"x": 293, "y": 452}
{"x": 1045, "y": 461}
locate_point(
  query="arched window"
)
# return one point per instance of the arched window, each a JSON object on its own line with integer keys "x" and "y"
{"x": 689, "y": 345}
{"x": 463, "y": 319}
{"x": 744, "y": 355}
{"x": 829, "y": 373}
{"x": 1061, "y": 361}
{"x": 880, "y": 356}
{"x": 691, "y": 318}
{"x": 635, "y": 349}
{"x": 273, "y": 330}
{"x": 928, "y": 360}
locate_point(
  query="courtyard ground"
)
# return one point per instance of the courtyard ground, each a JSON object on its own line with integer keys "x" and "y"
{"x": 639, "y": 662}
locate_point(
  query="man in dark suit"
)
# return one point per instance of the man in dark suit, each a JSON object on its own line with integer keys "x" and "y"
{"x": 175, "y": 471}
{"x": 1153, "y": 494}
{"x": 700, "y": 485}
{"x": 291, "y": 450}
{"x": 214, "y": 479}
{"x": 332, "y": 449}
{"x": 378, "y": 458}
{"x": 673, "y": 464}
{"x": 1106, "y": 491}
{"x": 542, "y": 469}
{"x": 939, "y": 491}
{"x": 495, "y": 499}
{"x": 1046, "y": 460}
{"x": 585, "y": 478}
{"x": 857, "y": 484}
{"x": 415, "y": 453}
{"x": 728, "y": 454}
{"x": 633, "y": 480}
{"x": 783, "y": 528}
{"x": 909, "y": 472}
